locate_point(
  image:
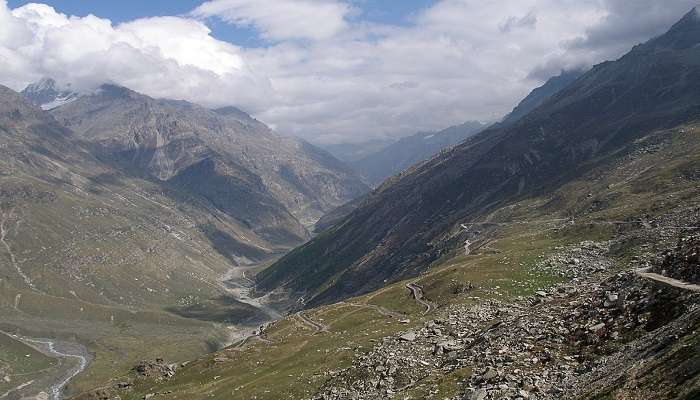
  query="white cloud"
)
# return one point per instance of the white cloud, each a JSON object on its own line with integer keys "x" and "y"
{"x": 346, "y": 80}
{"x": 164, "y": 56}
{"x": 282, "y": 19}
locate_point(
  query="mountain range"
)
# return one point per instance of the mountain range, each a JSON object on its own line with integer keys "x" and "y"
{"x": 380, "y": 159}
{"x": 413, "y": 220}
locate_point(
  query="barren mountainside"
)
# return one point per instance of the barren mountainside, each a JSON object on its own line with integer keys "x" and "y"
{"x": 122, "y": 232}
{"x": 185, "y": 144}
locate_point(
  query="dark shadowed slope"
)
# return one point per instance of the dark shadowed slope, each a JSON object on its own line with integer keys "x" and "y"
{"x": 409, "y": 222}
{"x": 541, "y": 94}
{"x": 417, "y": 144}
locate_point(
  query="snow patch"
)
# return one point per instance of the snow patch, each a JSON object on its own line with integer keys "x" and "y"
{"x": 59, "y": 101}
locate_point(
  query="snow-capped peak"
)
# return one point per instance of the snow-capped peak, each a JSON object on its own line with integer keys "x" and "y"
{"x": 48, "y": 94}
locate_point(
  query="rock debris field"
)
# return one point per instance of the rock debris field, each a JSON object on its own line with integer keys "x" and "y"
{"x": 602, "y": 326}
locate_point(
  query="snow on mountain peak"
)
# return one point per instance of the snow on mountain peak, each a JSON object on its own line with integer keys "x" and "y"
{"x": 48, "y": 94}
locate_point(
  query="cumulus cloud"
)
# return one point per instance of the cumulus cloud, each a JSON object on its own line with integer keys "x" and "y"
{"x": 282, "y": 19}
{"x": 326, "y": 74}
{"x": 164, "y": 56}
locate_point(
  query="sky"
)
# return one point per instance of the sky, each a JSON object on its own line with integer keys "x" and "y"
{"x": 329, "y": 71}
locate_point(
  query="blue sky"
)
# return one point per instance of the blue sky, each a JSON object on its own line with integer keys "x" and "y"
{"x": 391, "y": 12}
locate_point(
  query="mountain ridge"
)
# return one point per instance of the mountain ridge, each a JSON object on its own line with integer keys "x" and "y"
{"x": 161, "y": 138}
{"x": 405, "y": 223}
{"x": 394, "y": 158}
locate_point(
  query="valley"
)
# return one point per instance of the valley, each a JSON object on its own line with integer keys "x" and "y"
{"x": 179, "y": 248}
{"x": 73, "y": 359}
{"x": 524, "y": 258}
{"x": 116, "y": 261}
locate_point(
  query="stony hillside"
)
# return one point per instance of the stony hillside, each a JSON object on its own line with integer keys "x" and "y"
{"x": 413, "y": 220}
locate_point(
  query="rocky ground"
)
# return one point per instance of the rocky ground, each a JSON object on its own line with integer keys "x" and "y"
{"x": 683, "y": 262}
{"x": 602, "y": 331}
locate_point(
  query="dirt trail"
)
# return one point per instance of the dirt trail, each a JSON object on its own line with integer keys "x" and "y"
{"x": 317, "y": 327}
{"x": 644, "y": 272}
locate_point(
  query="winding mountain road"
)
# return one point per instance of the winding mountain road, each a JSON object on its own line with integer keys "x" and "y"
{"x": 317, "y": 327}
{"x": 419, "y": 297}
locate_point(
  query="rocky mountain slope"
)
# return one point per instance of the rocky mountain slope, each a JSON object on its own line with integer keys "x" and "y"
{"x": 413, "y": 220}
{"x": 275, "y": 185}
{"x": 396, "y": 157}
{"x": 609, "y": 334}
{"x": 90, "y": 255}
{"x": 47, "y": 95}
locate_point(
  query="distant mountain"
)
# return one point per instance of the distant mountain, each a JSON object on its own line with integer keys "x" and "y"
{"x": 350, "y": 152}
{"x": 275, "y": 185}
{"x": 541, "y": 94}
{"x": 398, "y": 156}
{"x": 410, "y": 221}
{"x": 378, "y": 161}
{"x": 47, "y": 95}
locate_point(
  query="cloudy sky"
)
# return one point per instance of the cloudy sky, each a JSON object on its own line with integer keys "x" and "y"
{"x": 327, "y": 70}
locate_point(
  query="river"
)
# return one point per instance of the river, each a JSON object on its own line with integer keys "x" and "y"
{"x": 239, "y": 286}
{"x": 57, "y": 349}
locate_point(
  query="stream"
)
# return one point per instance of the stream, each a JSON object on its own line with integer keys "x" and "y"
{"x": 239, "y": 286}
{"x": 61, "y": 350}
